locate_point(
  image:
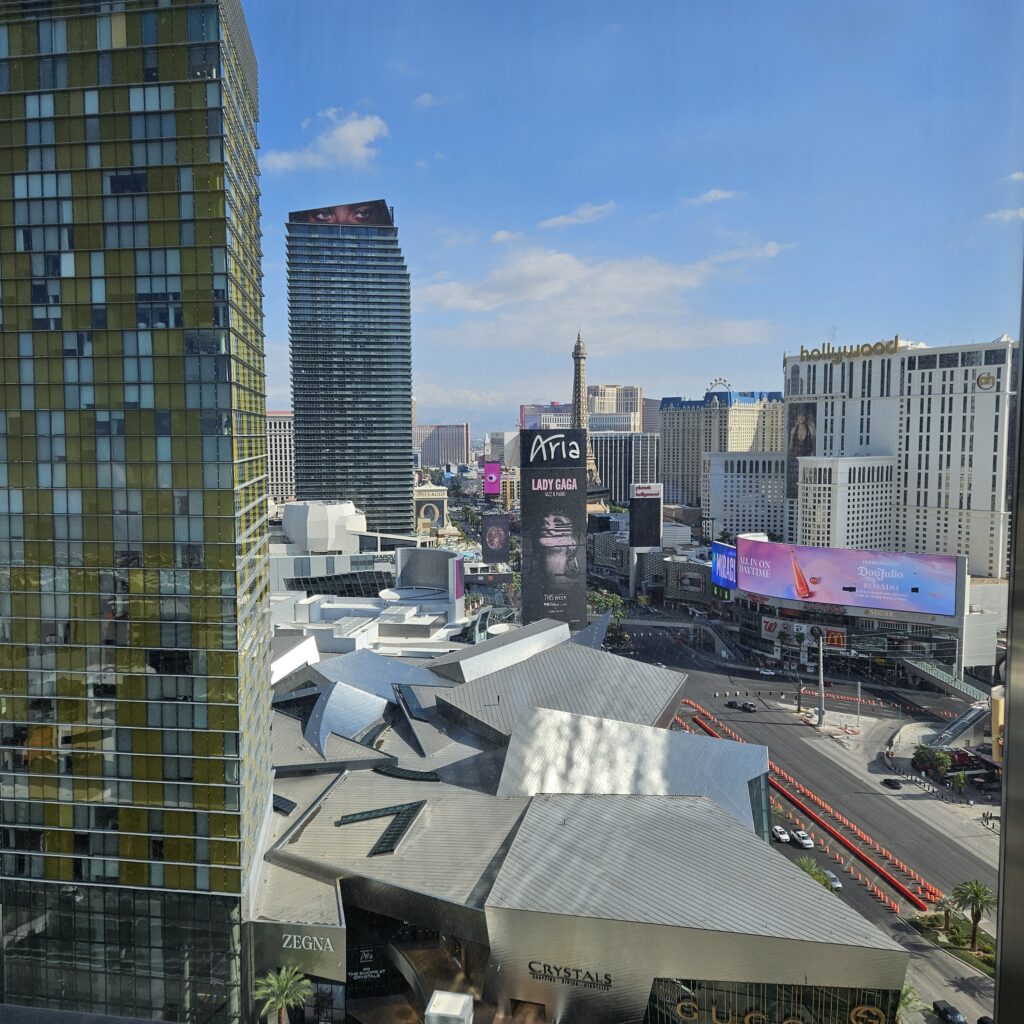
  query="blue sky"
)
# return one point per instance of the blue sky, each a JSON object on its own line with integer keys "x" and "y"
{"x": 699, "y": 187}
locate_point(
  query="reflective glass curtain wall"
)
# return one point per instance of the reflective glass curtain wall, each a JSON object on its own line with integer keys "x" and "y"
{"x": 134, "y": 621}
{"x": 351, "y": 359}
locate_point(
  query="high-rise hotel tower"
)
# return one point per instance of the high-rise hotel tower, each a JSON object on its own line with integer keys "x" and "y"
{"x": 351, "y": 354}
{"x": 134, "y": 629}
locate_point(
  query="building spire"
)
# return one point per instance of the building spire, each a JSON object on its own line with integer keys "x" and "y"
{"x": 580, "y": 405}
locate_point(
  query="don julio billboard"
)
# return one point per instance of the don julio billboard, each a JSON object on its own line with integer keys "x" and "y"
{"x": 554, "y": 525}
{"x": 887, "y": 580}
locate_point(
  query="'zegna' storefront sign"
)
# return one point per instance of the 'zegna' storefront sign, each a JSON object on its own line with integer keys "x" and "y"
{"x": 576, "y": 976}
{"x": 316, "y": 950}
{"x": 291, "y": 940}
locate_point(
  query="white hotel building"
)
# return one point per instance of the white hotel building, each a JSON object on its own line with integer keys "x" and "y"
{"x": 903, "y": 447}
{"x": 280, "y": 456}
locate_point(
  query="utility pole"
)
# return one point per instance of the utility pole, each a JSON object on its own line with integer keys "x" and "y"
{"x": 820, "y": 634}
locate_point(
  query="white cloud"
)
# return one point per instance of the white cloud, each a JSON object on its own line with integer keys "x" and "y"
{"x": 345, "y": 142}
{"x": 426, "y": 100}
{"x": 1017, "y": 214}
{"x": 458, "y": 236}
{"x": 506, "y": 236}
{"x": 530, "y": 306}
{"x": 713, "y": 195}
{"x": 620, "y": 287}
{"x": 585, "y": 214}
{"x": 1016, "y": 176}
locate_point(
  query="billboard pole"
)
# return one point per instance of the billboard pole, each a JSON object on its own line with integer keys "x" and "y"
{"x": 821, "y": 677}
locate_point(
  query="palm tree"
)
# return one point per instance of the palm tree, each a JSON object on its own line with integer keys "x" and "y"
{"x": 909, "y": 1005}
{"x": 923, "y": 758}
{"x": 978, "y": 899}
{"x": 947, "y": 905}
{"x": 282, "y": 989}
{"x": 810, "y": 867}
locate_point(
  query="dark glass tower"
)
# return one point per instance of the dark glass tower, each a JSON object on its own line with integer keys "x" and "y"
{"x": 134, "y": 622}
{"x": 351, "y": 358}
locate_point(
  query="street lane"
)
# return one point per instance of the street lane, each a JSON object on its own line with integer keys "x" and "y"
{"x": 928, "y": 849}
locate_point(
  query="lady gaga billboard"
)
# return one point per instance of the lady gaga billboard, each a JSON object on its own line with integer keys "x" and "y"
{"x": 554, "y": 525}
{"x": 888, "y": 580}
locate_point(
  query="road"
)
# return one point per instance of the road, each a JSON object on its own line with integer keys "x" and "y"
{"x": 656, "y": 642}
{"x": 794, "y": 747}
{"x": 797, "y": 749}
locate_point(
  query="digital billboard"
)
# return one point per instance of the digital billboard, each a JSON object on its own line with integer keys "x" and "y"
{"x": 431, "y": 511}
{"x": 792, "y": 631}
{"x": 494, "y": 538}
{"x": 645, "y": 516}
{"x": 492, "y": 478}
{"x": 554, "y": 525}
{"x": 376, "y": 213}
{"x": 801, "y": 431}
{"x": 723, "y": 565}
{"x": 924, "y": 584}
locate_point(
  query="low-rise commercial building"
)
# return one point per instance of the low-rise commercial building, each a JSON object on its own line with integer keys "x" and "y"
{"x": 515, "y": 817}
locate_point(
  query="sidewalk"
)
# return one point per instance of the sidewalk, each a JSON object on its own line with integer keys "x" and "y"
{"x": 960, "y": 821}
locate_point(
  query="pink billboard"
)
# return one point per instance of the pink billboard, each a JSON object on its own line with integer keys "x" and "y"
{"x": 492, "y": 478}
{"x": 926, "y": 584}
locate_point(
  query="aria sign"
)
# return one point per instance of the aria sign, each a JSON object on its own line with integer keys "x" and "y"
{"x": 688, "y": 1009}
{"x": 576, "y": 976}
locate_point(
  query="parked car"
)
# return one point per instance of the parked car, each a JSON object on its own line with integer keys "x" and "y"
{"x": 948, "y": 1013}
{"x": 748, "y": 706}
{"x": 779, "y": 834}
{"x": 733, "y": 704}
{"x": 801, "y": 838}
{"x": 833, "y": 880}
{"x": 892, "y": 783}
{"x": 765, "y": 672}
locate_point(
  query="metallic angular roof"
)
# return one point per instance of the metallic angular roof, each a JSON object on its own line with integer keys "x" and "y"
{"x": 447, "y": 852}
{"x": 593, "y": 635}
{"x": 343, "y": 710}
{"x": 667, "y": 860}
{"x": 572, "y": 678}
{"x": 499, "y": 651}
{"x": 374, "y": 673}
{"x": 293, "y": 751}
{"x": 556, "y": 752}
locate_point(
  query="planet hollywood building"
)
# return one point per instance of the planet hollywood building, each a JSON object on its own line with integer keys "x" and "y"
{"x": 518, "y": 815}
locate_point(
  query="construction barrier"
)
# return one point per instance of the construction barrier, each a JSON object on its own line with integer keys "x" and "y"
{"x": 813, "y": 816}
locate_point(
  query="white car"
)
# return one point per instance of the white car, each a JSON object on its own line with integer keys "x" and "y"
{"x": 779, "y": 834}
{"x": 765, "y": 672}
{"x": 801, "y": 838}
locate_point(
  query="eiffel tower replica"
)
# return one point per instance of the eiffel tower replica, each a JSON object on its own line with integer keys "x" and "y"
{"x": 597, "y": 493}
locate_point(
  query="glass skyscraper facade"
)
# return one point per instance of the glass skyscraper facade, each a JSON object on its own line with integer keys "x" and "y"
{"x": 134, "y": 618}
{"x": 351, "y": 358}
